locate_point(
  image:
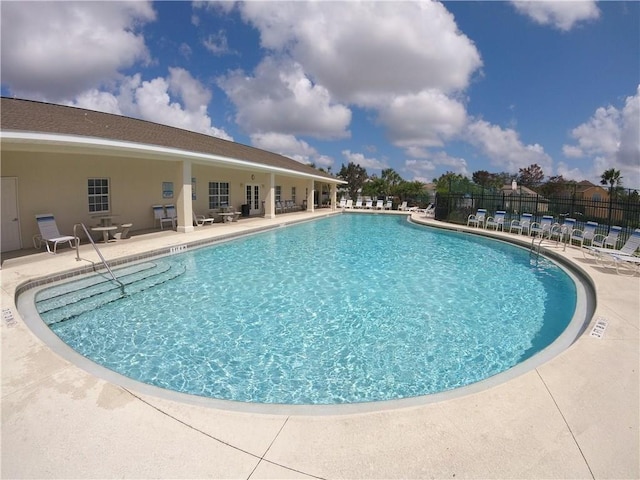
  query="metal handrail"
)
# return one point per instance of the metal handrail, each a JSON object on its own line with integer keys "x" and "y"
{"x": 104, "y": 262}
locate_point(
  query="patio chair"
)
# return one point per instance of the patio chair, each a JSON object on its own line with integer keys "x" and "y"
{"x": 497, "y": 221}
{"x": 430, "y": 211}
{"x": 160, "y": 216}
{"x": 543, "y": 227}
{"x": 123, "y": 234}
{"x": 369, "y": 204}
{"x": 403, "y": 206}
{"x": 49, "y": 233}
{"x": 522, "y": 225}
{"x": 607, "y": 241}
{"x": 388, "y": 205}
{"x": 343, "y": 203}
{"x": 200, "y": 220}
{"x": 560, "y": 232}
{"x": 478, "y": 218}
{"x": 624, "y": 263}
{"x": 606, "y": 255}
{"x": 379, "y": 204}
{"x": 349, "y": 204}
{"x": 585, "y": 235}
{"x": 359, "y": 203}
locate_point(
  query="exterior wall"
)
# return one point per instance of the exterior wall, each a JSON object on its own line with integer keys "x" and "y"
{"x": 57, "y": 183}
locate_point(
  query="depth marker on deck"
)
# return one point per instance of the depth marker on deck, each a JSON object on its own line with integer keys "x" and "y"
{"x": 598, "y": 329}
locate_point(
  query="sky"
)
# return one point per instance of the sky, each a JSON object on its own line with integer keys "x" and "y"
{"x": 423, "y": 88}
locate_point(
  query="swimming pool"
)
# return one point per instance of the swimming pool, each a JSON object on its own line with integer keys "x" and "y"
{"x": 352, "y": 308}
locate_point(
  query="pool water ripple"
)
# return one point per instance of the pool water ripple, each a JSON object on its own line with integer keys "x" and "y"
{"x": 352, "y": 308}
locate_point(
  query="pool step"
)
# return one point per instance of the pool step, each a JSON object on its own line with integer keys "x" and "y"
{"x": 73, "y": 299}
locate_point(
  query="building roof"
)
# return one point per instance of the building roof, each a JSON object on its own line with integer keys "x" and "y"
{"x": 47, "y": 118}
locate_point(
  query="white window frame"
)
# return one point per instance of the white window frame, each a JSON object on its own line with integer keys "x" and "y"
{"x": 99, "y": 195}
{"x": 219, "y": 194}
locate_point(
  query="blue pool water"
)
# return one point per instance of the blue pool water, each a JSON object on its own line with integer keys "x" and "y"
{"x": 351, "y": 308}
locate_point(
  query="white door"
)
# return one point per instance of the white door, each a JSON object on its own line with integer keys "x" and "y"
{"x": 10, "y": 239}
{"x": 252, "y": 198}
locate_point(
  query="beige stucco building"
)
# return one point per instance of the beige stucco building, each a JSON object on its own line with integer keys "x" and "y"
{"x": 83, "y": 165}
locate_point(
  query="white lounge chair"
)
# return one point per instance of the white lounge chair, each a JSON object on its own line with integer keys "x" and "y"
{"x": 624, "y": 263}
{"x": 562, "y": 232}
{"x": 379, "y": 204}
{"x": 200, "y": 220}
{"x": 403, "y": 206}
{"x": 606, "y": 255}
{"x": 49, "y": 233}
{"x": 343, "y": 203}
{"x": 388, "y": 205}
{"x": 543, "y": 227}
{"x": 497, "y": 221}
{"x": 585, "y": 235}
{"x": 522, "y": 225}
{"x": 369, "y": 204}
{"x": 477, "y": 219}
{"x": 349, "y": 204}
{"x": 430, "y": 211}
{"x": 359, "y": 203}
{"x": 160, "y": 216}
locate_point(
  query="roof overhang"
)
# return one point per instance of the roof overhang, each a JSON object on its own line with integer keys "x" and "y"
{"x": 46, "y": 142}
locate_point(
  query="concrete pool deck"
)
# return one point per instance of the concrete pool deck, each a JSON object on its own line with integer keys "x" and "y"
{"x": 575, "y": 416}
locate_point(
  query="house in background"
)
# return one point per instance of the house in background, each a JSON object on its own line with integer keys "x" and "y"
{"x": 523, "y": 200}
{"x": 81, "y": 165}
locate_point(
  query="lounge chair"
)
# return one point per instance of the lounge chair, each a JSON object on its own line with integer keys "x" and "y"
{"x": 430, "y": 211}
{"x": 626, "y": 262}
{"x": 403, "y": 206}
{"x": 349, "y": 204}
{"x": 200, "y": 220}
{"x": 523, "y": 225}
{"x": 343, "y": 203}
{"x": 359, "y": 203}
{"x": 279, "y": 207}
{"x": 49, "y": 233}
{"x": 560, "y": 232}
{"x": 586, "y": 235}
{"x": 543, "y": 227}
{"x": 388, "y": 205}
{"x": 607, "y": 241}
{"x": 160, "y": 216}
{"x": 478, "y": 218}
{"x": 497, "y": 221}
{"x": 379, "y": 204}
{"x": 369, "y": 204}
{"x": 606, "y": 255}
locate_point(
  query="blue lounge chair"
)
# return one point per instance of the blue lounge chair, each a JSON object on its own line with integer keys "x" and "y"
{"x": 478, "y": 219}
{"x": 586, "y": 235}
{"x": 523, "y": 225}
{"x": 50, "y": 235}
{"x": 606, "y": 255}
{"x": 497, "y": 221}
{"x": 543, "y": 227}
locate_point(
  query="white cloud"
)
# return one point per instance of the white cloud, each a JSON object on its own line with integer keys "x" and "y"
{"x": 561, "y": 14}
{"x": 286, "y": 145}
{"x": 364, "y": 162}
{"x": 53, "y": 50}
{"x": 178, "y": 100}
{"x": 504, "y": 148}
{"x": 424, "y": 165}
{"x": 426, "y": 119}
{"x": 217, "y": 43}
{"x": 281, "y": 98}
{"x": 611, "y": 139}
{"x": 381, "y": 56}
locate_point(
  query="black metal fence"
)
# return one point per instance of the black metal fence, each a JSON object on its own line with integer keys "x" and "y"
{"x": 625, "y": 212}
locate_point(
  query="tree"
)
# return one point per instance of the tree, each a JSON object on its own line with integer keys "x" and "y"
{"x": 355, "y": 176}
{"x": 613, "y": 178}
{"x": 486, "y": 179}
{"x": 556, "y": 186}
{"x": 453, "y": 182}
{"x": 531, "y": 176}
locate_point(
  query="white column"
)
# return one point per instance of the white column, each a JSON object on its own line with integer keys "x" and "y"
{"x": 270, "y": 198}
{"x": 184, "y": 206}
{"x": 334, "y": 196}
{"x": 310, "y": 190}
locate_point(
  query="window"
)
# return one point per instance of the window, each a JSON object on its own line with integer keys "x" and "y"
{"x": 293, "y": 194}
{"x": 98, "y": 194}
{"x": 218, "y": 194}
{"x": 278, "y": 193}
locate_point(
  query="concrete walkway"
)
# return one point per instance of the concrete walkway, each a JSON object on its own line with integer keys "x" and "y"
{"x": 576, "y": 416}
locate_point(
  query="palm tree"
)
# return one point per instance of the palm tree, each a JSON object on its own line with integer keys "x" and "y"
{"x": 611, "y": 177}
